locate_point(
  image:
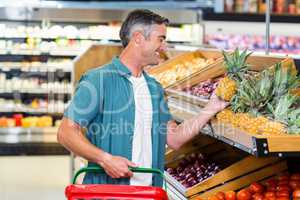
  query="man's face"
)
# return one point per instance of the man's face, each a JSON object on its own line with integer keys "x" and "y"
{"x": 154, "y": 44}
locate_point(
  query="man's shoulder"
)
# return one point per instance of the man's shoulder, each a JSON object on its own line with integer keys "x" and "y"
{"x": 103, "y": 71}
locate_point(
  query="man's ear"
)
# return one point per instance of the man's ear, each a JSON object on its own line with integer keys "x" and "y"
{"x": 138, "y": 37}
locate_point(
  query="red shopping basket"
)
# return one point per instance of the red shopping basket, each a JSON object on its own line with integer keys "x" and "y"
{"x": 114, "y": 192}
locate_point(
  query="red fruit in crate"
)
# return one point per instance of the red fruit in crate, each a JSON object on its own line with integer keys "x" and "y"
{"x": 257, "y": 196}
{"x": 212, "y": 198}
{"x": 294, "y": 184}
{"x": 283, "y": 177}
{"x": 283, "y": 187}
{"x": 230, "y": 195}
{"x": 283, "y": 193}
{"x": 282, "y": 198}
{"x": 220, "y": 195}
{"x": 296, "y": 194}
{"x": 295, "y": 177}
{"x": 270, "y": 194}
{"x": 244, "y": 194}
{"x": 271, "y": 189}
{"x": 256, "y": 188}
{"x": 283, "y": 182}
{"x": 271, "y": 183}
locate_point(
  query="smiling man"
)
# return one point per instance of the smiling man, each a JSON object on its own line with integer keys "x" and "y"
{"x": 123, "y": 109}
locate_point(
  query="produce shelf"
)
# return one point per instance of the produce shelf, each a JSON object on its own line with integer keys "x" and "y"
{"x": 280, "y": 146}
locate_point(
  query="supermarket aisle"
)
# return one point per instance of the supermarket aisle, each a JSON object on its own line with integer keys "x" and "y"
{"x": 34, "y": 177}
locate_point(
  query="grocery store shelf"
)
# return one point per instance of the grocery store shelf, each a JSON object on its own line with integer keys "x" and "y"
{"x": 32, "y": 111}
{"x": 5, "y": 92}
{"x": 32, "y": 131}
{"x": 63, "y": 53}
{"x": 250, "y": 17}
{"x": 258, "y": 146}
{"x": 32, "y": 148}
{"x": 44, "y": 71}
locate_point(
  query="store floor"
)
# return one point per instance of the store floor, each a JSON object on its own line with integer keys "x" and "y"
{"x": 34, "y": 177}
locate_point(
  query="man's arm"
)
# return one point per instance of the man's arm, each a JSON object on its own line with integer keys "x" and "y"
{"x": 179, "y": 134}
{"x": 72, "y": 138}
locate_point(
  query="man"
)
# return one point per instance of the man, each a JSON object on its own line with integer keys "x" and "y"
{"x": 123, "y": 109}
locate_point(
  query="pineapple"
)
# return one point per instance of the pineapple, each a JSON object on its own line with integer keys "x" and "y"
{"x": 256, "y": 123}
{"x": 236, "y": 67}
{"x": 273, "y": 128}
{"x": 242, "y": 120}
{"x": 294, "y": 121}
{"x": 225, "y": 116}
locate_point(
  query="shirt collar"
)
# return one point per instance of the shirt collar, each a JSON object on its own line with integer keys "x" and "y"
{"x": 121, "y": 68}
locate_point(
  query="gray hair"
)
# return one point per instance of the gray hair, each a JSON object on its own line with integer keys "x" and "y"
{"x": 140, "y": 20}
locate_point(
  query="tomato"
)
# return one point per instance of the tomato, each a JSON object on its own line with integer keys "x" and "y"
{"x": 284, "y": 177}
{"x": 257, "y": 196}
{"x": 270, "y": 198}
{"x": 283, "y": 187}
{"x": 283, "y": 193}
{"x": 294, "y": 184}
{"x": 243, "y": 194}
{"x": 220, "y": 195}
{"x": 212, "y": 198}
{"x": 296, "y": 193}
{"x": 230, "y": 195}
{"x": 271, "y": 183}
{"x": 282, "y": 198}
{"x": 256, "y": 188}
{"x": 283, "y": 182}
{"x": 270, "y": 194}
{"x": 295, "y": 177}
{"x": 271, "y": 189}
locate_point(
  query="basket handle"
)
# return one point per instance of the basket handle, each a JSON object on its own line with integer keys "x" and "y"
{"x": 98, "y": 169}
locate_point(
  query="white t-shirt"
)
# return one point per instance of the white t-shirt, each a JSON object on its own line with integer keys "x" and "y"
{"x": 142, "y": 142}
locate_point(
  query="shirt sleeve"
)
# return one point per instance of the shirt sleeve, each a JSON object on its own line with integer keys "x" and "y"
{"x": 87, "y": 100}
{"x": 165, "y": 114}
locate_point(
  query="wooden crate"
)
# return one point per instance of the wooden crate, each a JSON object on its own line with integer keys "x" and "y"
{"x": 264, "y": 168}
{"x": 274, "y": 143}
{"x": 239, "y": 170}
{"x": 181, "y": 59}
{"x": 257, "y": 63}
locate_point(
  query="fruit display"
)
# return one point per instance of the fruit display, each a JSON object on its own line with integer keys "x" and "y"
{"x": 263, "y": 103}
{"x": 181, "y": 70}
{"x": 236, "y": 68}
{"x": 27, "y": 122}
{"x": 282, "y": 187}
{"x": 193, "y": 170}
{"x": 203, "y": 89}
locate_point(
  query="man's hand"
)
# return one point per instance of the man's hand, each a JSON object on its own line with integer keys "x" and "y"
{"x": 116, "y": 166}
{"x": 216, "y": 104}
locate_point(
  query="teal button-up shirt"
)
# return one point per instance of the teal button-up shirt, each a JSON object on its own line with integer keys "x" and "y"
{"x": 104, "y": 104}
